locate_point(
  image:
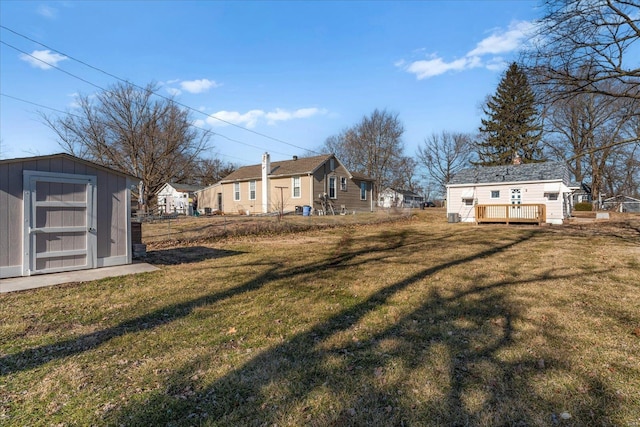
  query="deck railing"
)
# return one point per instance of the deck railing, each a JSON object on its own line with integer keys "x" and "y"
{"x": 525, "y": 213}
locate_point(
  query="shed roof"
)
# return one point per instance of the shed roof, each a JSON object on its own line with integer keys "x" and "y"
{"x": 69, "y": 157}
{"x": 547, "y": 171}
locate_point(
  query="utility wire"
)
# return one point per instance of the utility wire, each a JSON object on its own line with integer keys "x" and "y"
{"x": 106, "y": 90}
{"x": 102, "y": 122}
{"x": 137, "y": 86}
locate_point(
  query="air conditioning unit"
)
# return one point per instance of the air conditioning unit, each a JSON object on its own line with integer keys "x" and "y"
{"x": 453, "y": 217}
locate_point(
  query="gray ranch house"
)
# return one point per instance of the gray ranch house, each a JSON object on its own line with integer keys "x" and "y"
{"x": 518, "y": 193}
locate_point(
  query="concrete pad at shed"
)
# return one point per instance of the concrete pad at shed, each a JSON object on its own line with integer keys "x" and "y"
{"x": 42, "y": 280}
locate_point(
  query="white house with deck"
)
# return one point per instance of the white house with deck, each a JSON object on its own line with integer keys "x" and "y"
{"x": 516, "y": 193}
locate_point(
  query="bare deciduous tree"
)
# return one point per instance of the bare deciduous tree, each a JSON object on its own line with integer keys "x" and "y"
{"x": 126, "y": 129}
{"x": 586, "y": 131}
{"x": 374, "y": 147}
{"x": 582, "y": 46}
{"x": 443, "y": 155}
{"x": 210, "y": 171}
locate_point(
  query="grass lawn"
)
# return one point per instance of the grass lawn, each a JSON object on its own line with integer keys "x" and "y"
{"x": 415, "y": 322}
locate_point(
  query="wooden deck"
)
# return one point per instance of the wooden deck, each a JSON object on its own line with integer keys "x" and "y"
{"x": 525, "y": 213}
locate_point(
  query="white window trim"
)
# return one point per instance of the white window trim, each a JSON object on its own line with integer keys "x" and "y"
{"x": 236, "y": 191}
{"x": 254, "y": 189}
{"x": 343, "y": 179}
{"x": 335, "y": 187}
{"x": 293, "y": 187}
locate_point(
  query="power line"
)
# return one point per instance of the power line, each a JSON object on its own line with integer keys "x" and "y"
{"x": 137, "y": 86}
{"x": 192, "y": 125}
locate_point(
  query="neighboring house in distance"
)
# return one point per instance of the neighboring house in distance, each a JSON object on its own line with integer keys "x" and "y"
{"x": 391, "y": 197}
{"x": 62, "y": 213}
{"x": 622, "y": 204}
{"x": 319, "y": 182}
{"x": 545, "y": 183}
{"x": 176, "y": 198}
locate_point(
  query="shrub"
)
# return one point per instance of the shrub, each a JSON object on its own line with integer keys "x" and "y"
{"x": 583, "y": 206}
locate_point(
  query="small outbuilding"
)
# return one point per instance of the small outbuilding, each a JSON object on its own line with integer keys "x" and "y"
{"x": 62, "y": 213}
{"x": 394, "y": 197}
{"x": 530, "y": 193}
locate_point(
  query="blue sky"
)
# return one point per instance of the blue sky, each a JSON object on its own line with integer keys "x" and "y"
{"x": 288, "y": 74}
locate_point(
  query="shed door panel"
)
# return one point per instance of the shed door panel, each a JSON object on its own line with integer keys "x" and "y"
{"x": 60, "y": 222}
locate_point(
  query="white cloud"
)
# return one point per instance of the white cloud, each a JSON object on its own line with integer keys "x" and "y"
{"x": 198, "y": 86}
{"x": 47, "y": 12}
{"x": 251, "y": 118}
{"x": 280, "y": 115}
{"x": 432, "y": 67}
{"x": 248, "y": 119}
{"x": 43, "y": 59}
{"x": 504, "y": 41}
{"x": 498, "y": 42}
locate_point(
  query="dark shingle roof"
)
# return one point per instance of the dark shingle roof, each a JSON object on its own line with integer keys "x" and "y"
{"x": 547, "y": 171}
{"x": 185, "y": 188}
{"x": 404, "y": 192}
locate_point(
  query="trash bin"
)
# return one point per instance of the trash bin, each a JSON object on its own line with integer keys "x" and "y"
{"x": 298, "y": 210}
{"x": 306, "y": 210}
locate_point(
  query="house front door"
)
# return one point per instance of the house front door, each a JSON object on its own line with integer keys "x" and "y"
{"x": 515, "y": 210}
{"x": 59, "y": 222}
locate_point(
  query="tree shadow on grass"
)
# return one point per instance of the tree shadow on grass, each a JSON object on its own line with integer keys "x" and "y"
{"x": 34, "y": 357}
{"x": 445, "y": 363}
{"x": 184, "y": 255}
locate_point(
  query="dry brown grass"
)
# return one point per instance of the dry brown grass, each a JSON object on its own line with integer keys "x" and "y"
{"x": 416, "y": 322}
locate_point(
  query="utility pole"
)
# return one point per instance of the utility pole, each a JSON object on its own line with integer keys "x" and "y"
{"x": 281, "y": 200}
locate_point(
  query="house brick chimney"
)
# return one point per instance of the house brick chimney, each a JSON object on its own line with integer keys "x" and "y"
{"x": 266, "y": 170}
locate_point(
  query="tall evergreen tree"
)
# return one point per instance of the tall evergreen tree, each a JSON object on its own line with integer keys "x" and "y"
{"x": 512, "y": 126}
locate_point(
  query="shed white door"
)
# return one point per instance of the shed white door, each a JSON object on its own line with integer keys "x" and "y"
{"x": 59, "y": 222}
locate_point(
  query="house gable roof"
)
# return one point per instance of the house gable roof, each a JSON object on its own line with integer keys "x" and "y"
{"x": 547, "y": 171}
{"x": 185, "y": 188}
{"x": 300, "y": 166}
{"x": 400, "y": 191}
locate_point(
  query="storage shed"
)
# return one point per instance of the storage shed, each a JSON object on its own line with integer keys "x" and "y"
{"x": 62, "y": 213}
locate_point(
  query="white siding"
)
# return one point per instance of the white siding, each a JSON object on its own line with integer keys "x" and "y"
{"x": 532, "y": 192}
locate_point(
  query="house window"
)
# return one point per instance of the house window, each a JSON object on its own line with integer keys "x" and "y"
{"x": 495, "y": 194}
{"x": 551, "y": 196}
{"x": 343, "y": 183}
{"x": 332, "y": 187}
{"x": 332, "y": 165}
{"x": 236, "y": 191}
{"x": 468, "y": 202}
{"x": 363, "y": 191}
{"x": 296, "y": 186}
{"x": 252, "y": 190}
